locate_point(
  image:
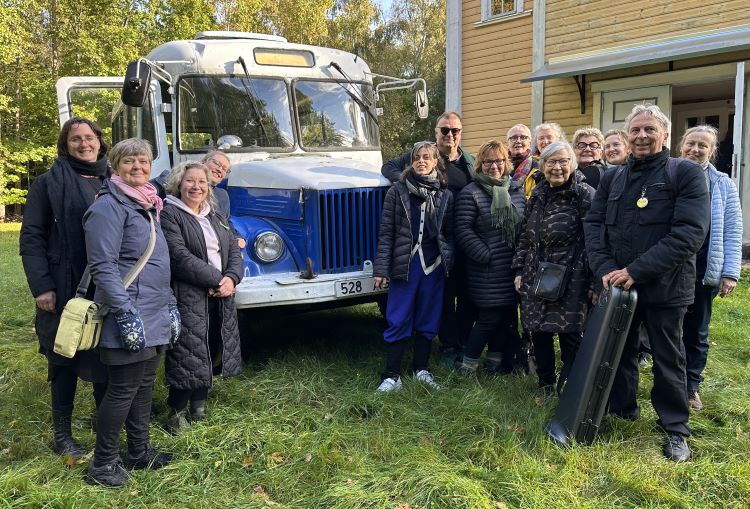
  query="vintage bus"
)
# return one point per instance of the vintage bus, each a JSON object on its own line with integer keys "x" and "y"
{"x": 300, "y": 126}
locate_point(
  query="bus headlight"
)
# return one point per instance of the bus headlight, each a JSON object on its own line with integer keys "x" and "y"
{"x": 268, "y": 247}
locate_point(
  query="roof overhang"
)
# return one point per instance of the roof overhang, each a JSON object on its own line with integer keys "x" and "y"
{"x": 662, "y": 50}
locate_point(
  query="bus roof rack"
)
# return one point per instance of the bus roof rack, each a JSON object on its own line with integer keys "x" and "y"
{"x": 219, "y": 34}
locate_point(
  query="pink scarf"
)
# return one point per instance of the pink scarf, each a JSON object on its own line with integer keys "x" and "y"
{"x": 145, "y": 195}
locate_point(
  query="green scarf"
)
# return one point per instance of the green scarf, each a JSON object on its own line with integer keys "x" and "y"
{"x": 504, "y": 216}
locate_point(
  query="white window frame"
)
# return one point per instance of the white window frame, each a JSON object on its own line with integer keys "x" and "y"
{"x": 487, "y": 11}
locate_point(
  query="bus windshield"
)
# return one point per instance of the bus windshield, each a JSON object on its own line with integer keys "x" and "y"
{"x": 234, "y": 113}
{"x": 335, "y": 115}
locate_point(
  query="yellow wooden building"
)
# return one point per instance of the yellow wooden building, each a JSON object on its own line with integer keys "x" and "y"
{"x": 586, "y": 62}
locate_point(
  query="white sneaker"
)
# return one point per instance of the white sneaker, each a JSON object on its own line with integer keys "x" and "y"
{"x": 389, "y": 385}
{"x": 425, "y": 377}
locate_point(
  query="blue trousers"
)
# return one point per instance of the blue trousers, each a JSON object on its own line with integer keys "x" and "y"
{"x": 415, "y": 305}
{"x": 695, "y": 333}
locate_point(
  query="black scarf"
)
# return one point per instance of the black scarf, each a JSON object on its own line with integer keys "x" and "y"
{"x": 427, "y": 189}
{"x": 71, "y": 195}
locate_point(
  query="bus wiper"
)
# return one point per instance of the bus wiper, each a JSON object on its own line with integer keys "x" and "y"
{"x": 250, "y": 89}
{"x": 357, "y": 98}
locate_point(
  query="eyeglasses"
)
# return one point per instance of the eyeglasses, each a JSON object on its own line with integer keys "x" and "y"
{"x": 562, "y": 163}
{"x": 496, "y": 162}
{"x": 214, "y": 161}
{"x": 77, "y": 140}
{"x": 591, "y": 146}
{"x": 519, "y": 137}
{"x": 453, "y": 130}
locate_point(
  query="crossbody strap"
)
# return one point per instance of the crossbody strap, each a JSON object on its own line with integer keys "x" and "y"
{"x": 85, "y": 282}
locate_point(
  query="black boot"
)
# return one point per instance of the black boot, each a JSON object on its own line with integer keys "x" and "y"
{"x": 63, "y": 442}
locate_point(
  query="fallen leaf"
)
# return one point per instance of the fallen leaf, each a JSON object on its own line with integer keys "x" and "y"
{"x": 247, "y": 461}
{"x": 327, "y": 417}
{"x": 349, "y": 482}
{"x": 6, "y": 450}
{"x": 402, "y": 506}
{"x": 259, "y": 489}
{"x": 12, "y": 423}
{"x": 134, "y": 493}
{"x": 275, "y": 459}
{"x": 349, "y": 459}
{"x": 218, "y": 463}
{"x": 308, "y": 457}
{"x": 538, "y": 400}
{"x": 71, "y": 462}
{"x": 501, "y": 505}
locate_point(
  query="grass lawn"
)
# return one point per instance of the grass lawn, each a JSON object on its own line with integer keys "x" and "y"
{"x": 301, "y": 428}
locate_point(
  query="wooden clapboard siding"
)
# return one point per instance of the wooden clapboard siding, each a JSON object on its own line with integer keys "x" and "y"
{"x": 495, "y": 58}
{"x": 601, "y": 25}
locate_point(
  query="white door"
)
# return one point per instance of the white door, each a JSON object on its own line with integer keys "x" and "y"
{"x": 98, "y": 99}
{"x": 741, "y": 134}
{"x": 617, "y": 104}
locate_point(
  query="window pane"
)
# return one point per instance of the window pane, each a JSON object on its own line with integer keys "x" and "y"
{"x": 254, "y": 111}
{"x": 499, "y": 7}
{"x": 334, "y": 114}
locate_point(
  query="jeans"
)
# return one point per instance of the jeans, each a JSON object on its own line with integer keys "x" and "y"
{"x": 695, "y": 333}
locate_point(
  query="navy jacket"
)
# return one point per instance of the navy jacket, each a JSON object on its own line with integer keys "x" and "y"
{"x": 117, "y": 234}
{"x": 657, "y": 243}
{"x": 395, "y": 236}
{"x": 488, "y": 255}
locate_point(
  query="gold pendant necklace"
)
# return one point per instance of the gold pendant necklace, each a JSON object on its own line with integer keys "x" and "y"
{"x": 642, "y": 202}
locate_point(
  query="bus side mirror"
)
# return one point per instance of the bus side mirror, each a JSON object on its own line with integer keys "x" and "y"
{"x": 422, "y": 104}
{"x": 136, "y": 84}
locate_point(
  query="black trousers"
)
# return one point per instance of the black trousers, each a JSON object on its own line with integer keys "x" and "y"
{"x": 544, "y": 350}
{"x": 669, "y": 394}
{"x": 127, "y": 402}
{"x": 495, "y": 327}
{"x": 459, "y": 313}
{"x": 394, "y": 356}
{"x": 63, "y": 385}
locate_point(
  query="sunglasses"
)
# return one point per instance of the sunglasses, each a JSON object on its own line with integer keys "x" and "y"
{"x": 453, "y": 130}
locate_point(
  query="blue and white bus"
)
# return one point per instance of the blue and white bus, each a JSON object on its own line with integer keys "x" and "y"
{"x": 300, "y": 126}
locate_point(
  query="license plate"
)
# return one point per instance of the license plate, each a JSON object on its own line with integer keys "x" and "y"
{"x": 357, "y": 286}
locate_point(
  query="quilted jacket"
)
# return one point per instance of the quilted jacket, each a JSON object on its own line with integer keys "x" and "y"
{"x": 188, "y": 362}
{"x": 725, "y": 233}
{"x": 488, "y": 255}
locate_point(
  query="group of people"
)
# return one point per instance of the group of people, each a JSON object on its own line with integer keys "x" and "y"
{"x": 464, "y": 242}
{"x": 460, "y": 244}
{"x": 89, "y": 221}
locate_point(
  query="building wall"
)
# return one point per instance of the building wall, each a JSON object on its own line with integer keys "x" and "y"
{"x": 496, "y": 56}
{"x": 640, "y": 21}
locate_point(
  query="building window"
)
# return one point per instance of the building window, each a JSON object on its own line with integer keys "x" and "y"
{"x": 493, "y": 9}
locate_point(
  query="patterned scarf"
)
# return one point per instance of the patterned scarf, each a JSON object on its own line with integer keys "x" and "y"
{"x": 427, "y": 189}
{"x": 145, "y": 195}
{"x": 504, "y": 215}
{"x": 522, "y": 167}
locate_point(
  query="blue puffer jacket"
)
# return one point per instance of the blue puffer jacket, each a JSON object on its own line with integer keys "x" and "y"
{"x": 725, "y": 234}
{"x": 117, "y": 234}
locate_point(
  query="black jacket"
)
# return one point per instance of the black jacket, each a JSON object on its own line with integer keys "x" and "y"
{"x": 656, "y": 243}
{"x": 51, "y": 261}
{"x": 395, "y": 236}
{"x": 393, "y": 169}
{"x": 552, "y": 231}
{"x": 188, "y": 363}
{"x": 488, "y": 255}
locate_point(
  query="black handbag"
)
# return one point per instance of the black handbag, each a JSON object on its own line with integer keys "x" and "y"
{"x": 550, "y": 281}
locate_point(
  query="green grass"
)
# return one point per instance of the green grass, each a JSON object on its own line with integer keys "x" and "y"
{"x": 301, "y": 428}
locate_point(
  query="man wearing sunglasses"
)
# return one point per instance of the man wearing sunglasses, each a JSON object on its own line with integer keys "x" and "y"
{"x": 458, "y": 313}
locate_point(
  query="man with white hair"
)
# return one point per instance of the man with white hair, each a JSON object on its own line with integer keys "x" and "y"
{"x": 648, "y": 220}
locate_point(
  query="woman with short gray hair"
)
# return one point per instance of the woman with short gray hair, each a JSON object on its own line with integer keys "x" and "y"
{"x": 588, "y": 143}
{"x": 552, "y": 231}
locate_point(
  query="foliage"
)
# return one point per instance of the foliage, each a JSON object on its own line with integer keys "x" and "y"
{"x": 302, "y": 428}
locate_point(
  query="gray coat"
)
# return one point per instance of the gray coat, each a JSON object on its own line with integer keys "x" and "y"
{"x": 117, "y": 234}
{"x": 189, "y": 362}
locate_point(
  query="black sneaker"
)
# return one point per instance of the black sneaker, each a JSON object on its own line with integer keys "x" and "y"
{"x": 111, "y": 475}
{"x": 675, "y": 448}
{"x": 151, "y": 459}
